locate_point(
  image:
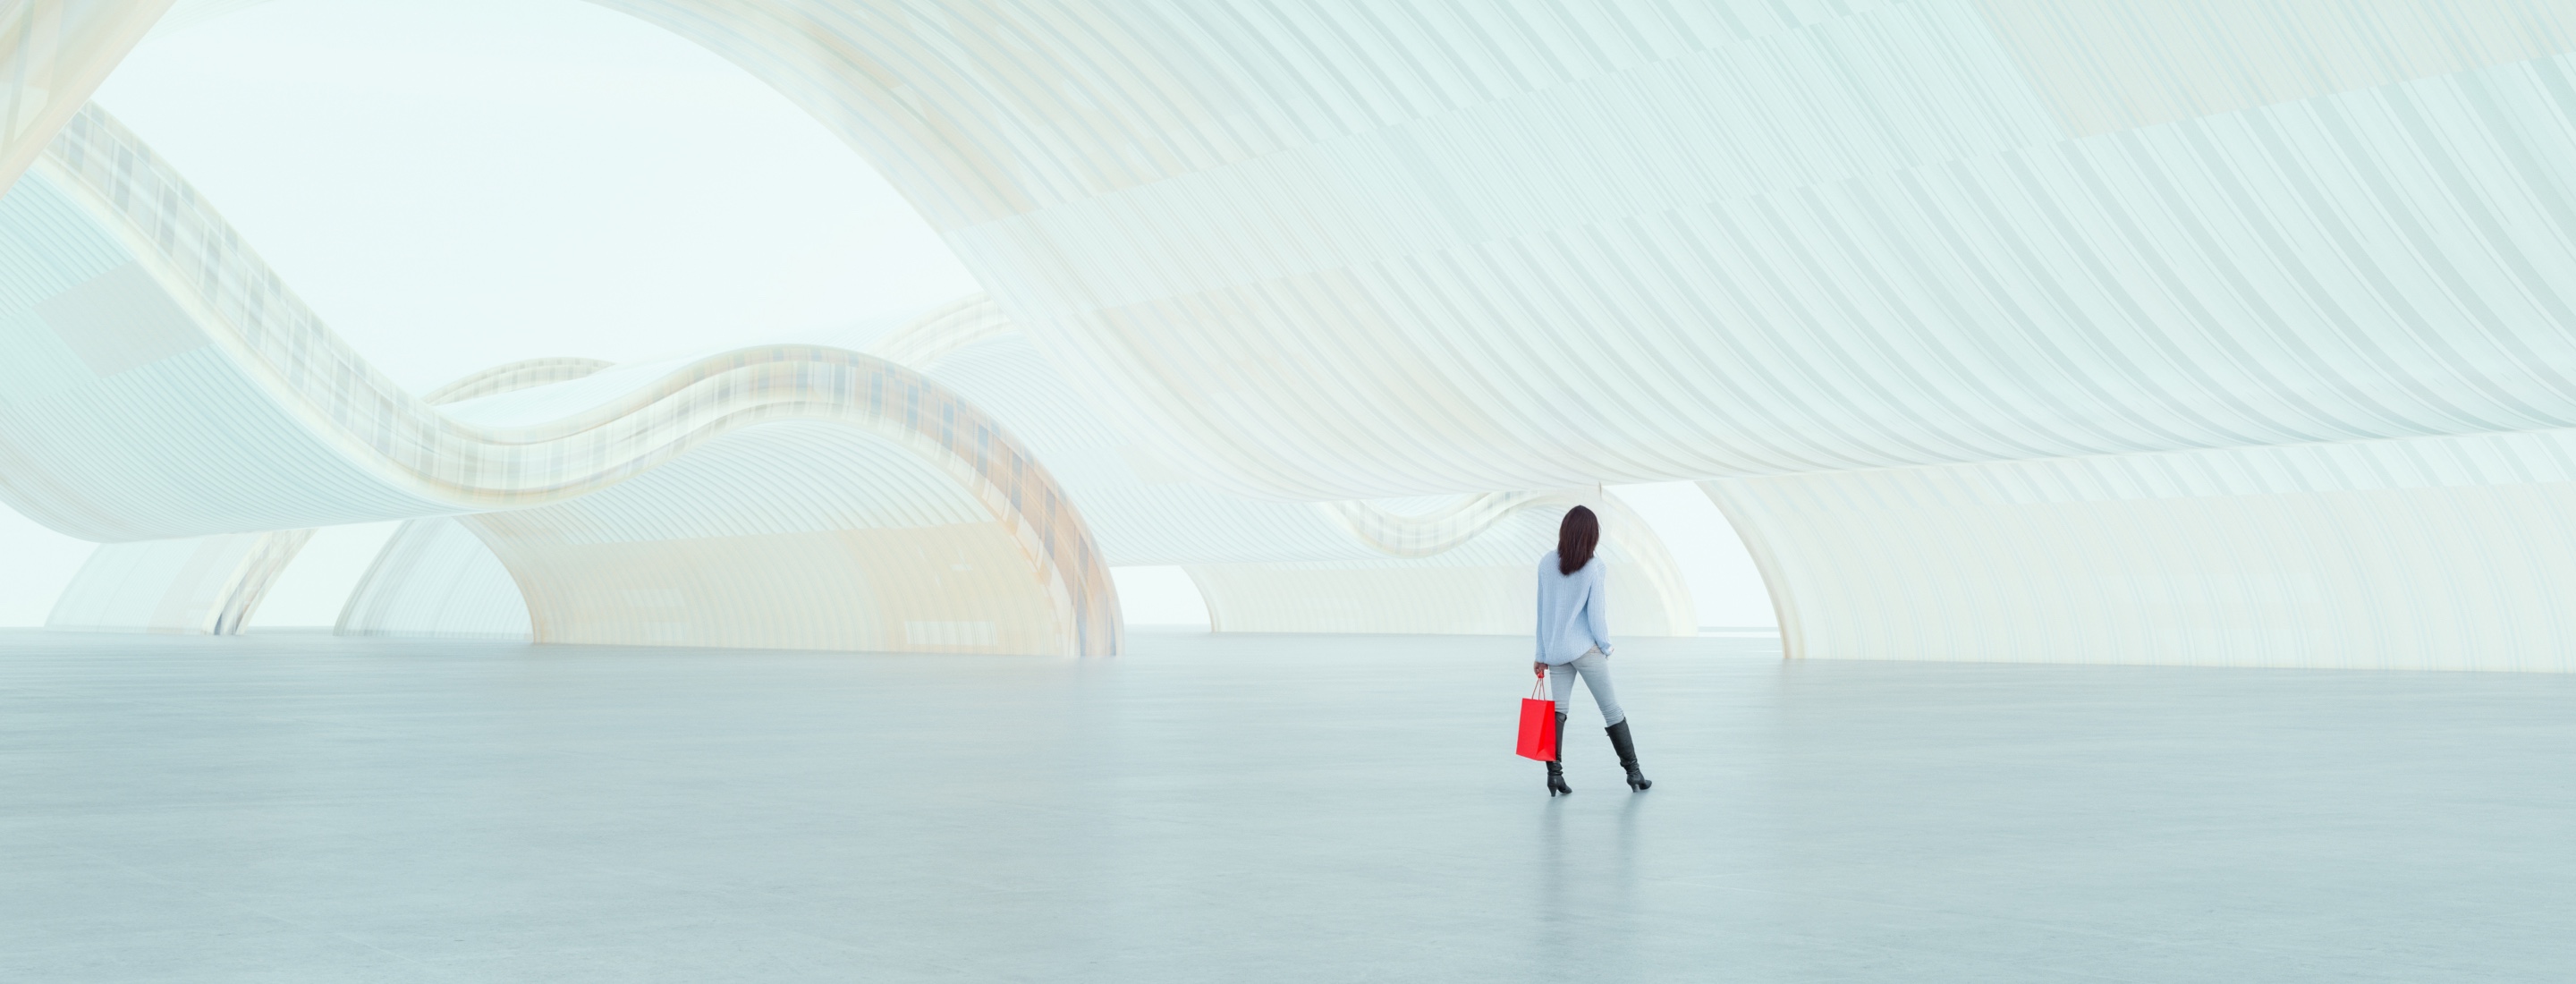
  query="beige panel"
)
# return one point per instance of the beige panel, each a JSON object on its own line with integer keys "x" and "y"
{"x": 807, "y": 535}
{"x": 963, "y": 588}
{"x": 2107, "y": 65}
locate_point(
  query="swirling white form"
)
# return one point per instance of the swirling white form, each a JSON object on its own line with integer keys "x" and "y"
{"x": 1816, "y": 254}
{"x": 162, "y": 383}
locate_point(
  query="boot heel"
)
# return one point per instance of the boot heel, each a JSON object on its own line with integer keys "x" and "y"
{"x": 1627, "y": 749}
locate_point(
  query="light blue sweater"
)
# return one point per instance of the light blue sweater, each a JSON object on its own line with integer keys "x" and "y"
{"x": 1571, "y": 615}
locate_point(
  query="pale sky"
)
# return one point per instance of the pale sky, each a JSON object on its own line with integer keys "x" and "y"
{"x": 449, "y": 196}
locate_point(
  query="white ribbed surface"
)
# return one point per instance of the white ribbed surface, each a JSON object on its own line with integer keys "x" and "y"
{"x": 1841, "y": 258}
{"x": 2414, "y": 553}
{"x": 1348, "y": 249}
{"x": 1366, "y": 248}
{"x": 1433, "y": 564}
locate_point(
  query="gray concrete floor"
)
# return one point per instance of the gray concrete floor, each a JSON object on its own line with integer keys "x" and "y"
{"x": 1269, "y": 808}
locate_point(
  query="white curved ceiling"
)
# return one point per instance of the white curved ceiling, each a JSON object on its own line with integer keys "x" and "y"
{"x": 1840, "y": 259}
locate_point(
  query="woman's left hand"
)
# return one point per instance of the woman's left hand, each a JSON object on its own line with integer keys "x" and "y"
{"x": 1538, "y": 669}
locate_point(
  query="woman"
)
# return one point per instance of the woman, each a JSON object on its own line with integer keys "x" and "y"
{"x": 1574, "y": 638}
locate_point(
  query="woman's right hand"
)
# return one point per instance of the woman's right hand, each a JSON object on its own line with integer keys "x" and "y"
{"x": 1538, "y": 669}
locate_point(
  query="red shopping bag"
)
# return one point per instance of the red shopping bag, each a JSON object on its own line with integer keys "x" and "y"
{"x": 1538, "y": 725}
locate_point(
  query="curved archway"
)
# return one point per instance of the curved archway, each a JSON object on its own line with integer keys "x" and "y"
{"x": 151, "y": 334}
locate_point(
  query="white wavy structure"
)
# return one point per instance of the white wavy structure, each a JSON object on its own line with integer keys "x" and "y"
{"x": 1375, "y": 248}
{"x": 434, "y": 578}
{"x": 1454, "y": 564}
{"x": 162, "y": 383}
{"x": 1360, "y": 248}
{"x": 2297, "y": 273}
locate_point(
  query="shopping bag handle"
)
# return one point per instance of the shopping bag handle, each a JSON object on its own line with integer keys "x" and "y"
{"x": 1538, "y": 691}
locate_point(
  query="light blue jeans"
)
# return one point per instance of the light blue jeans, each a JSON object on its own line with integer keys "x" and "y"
{"x": 1595, "y": 669}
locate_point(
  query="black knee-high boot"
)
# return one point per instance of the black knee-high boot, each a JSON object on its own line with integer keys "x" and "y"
{"x": 1556, "y": 766}
{"x": 1627, "y": 749}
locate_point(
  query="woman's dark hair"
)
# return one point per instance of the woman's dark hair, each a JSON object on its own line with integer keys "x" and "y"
{"x": 1575, "y": 539}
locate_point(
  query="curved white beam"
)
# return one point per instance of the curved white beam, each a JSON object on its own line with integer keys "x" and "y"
{"x": 161, "y": 383}
{"x": 433, "y": 578}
